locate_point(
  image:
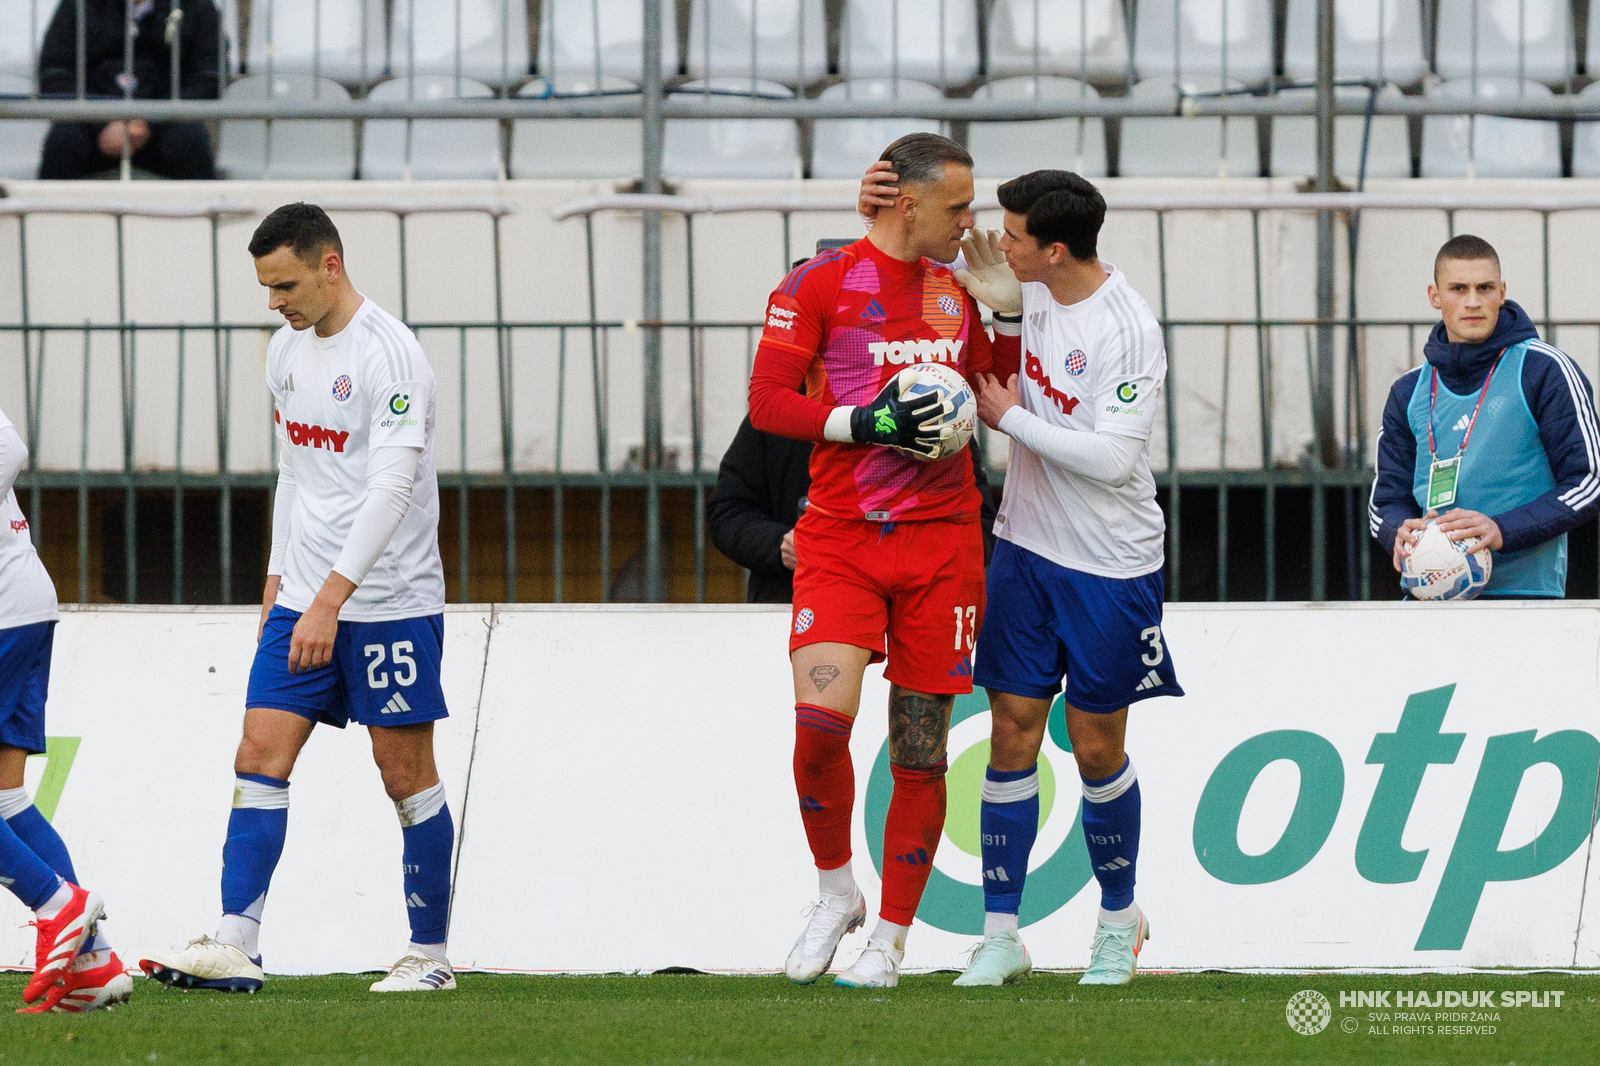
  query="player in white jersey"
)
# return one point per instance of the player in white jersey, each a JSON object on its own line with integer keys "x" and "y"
{"x": 1075, "y": 586}
{"x": 351, "y": 618}
{"x": 74, "y": 968}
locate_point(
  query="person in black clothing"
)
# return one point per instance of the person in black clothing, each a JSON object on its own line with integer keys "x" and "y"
{"x": 172, "y": 149}
{"x": 761, "y": 489}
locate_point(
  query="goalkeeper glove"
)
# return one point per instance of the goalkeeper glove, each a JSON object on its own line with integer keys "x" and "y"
{"x": 988, "y": 276}
{"x": 914, "y": 424}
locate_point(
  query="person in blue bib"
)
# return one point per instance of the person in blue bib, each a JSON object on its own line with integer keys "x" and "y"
{"x": 1495, "y": 434}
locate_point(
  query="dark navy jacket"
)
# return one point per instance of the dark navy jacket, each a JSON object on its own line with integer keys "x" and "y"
{"x": 1562, "y": 404}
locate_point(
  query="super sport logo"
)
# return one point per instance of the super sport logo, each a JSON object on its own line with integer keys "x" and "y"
{"x": 780, "y": 317}
{"x": 921, "y": 351}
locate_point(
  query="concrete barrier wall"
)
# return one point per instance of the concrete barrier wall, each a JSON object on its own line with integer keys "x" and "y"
{"x": 1342, "y": 786}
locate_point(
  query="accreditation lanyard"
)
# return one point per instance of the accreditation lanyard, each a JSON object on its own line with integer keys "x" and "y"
{"x": 1443, "y": 474}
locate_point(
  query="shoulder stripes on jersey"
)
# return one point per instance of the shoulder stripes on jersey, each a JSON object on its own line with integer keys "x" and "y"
{"x": 791, "y": 283}
{"x": 1585, "y": 491}
{"x": 393, "y": 347}
{"x": 1133, "y": 346}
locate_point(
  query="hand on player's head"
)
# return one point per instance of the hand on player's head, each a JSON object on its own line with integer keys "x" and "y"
{"x": 879, "y": 188}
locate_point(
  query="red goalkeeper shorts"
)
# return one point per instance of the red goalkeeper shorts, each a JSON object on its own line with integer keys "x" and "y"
{"x": 911, "y": 592}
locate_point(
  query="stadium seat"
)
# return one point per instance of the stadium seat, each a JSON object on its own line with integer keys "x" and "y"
{"x": 842, "y": 147}
{"x": 1530, "y": 39}
{"x": 20, "y": 139}
{"x": 493, "y": 39}
{"x": 347, "y": 47}
{"x": 1186, "y": 147}
{"x": 1373, "y": 39}
{"x": 1294, "y": 140}
{"x": 1201, "y": 50}
{"x": 576, "y": 148}
{"x": 1064, "y": 27}
{"x": 431, "y": 148}
{"x": 1459, "y": 146}
{"x": 731, "y": 148}
{"x": 18, "y": 54}
{"x": 568, "y": 46}
{"x": 1006, "y": 149}
{"x": 784, "y": 40}
{"x": 870, "y": 47}
{"x": 302, "y": 149}
{"x": 1586, "y": 138}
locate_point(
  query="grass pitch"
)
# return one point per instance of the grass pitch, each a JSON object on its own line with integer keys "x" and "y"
{"x": 1210, "y": 1019}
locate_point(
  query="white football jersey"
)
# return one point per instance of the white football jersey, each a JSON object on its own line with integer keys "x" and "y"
{"x": 367, "y": 386}
{"x": 1097, "y": 365}
{"x": 27, "y": 595}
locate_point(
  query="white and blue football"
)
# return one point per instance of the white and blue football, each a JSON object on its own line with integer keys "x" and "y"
{"x": 1439, "y": 568}
{"x": 958, "y": 425}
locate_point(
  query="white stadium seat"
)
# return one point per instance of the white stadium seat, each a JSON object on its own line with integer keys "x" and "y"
{"x": 575, "y": 147}
{"x": 1529, "y": 39}
{"x": 301, "y": 149}
{"x": 1586, "y": 138}
{"x": 492, "y": 36}
{"x": 842, "y": 147}
{"x": 1076, "y": 38}
{"x": 431, "y": 148}
{"x": 1294, "y": 139}
{"x": 20, "y": 139}
{"x": 731, "y": 148}
{"x": 1458, "y": 146}
{"x": 1373, "y": 39}
{"x": 1212, "y": 40}
{"x": 1186, "y": 147}
{"x": 1006, "y": 149}
{"x": 782, "y": 40}
{"x": 568, "y": 45}
{"x": 348, "y": 46}
{"x": 903, "y": 39}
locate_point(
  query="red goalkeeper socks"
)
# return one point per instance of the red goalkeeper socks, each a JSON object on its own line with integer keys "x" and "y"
{"x": 910, "y": 838}
{"x": 825, "y": 781}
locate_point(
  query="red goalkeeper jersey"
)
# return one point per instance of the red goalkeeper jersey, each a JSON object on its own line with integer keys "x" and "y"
{"x": 844, "y": 323}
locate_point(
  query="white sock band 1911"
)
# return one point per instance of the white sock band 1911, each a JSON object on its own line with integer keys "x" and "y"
{"x": 414, "y": 810}
{"x": 1111, "y": 789}
{"x": 257, "y": 795}
{"x": 1011, "y": 791}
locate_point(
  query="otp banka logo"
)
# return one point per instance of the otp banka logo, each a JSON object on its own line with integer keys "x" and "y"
{"x": 955, "y": 904}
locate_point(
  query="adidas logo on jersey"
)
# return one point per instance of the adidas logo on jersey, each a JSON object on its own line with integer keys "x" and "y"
{"x": 1151, "y": 680}
{"x": 397, "y": 705}
{"x": 1462, "y": 423}
{"x": 922, "y": 351}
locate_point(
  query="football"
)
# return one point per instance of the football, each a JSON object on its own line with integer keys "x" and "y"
{"x": 957, "y": 426}
{"x": 1441, "y": 569}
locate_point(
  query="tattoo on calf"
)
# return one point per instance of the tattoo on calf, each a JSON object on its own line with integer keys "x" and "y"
{"x": 918, "y": 727}
{"x": 823, "y": 676}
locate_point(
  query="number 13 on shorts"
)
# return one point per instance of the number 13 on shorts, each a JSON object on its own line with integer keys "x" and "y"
{"x": 966, "y": 627}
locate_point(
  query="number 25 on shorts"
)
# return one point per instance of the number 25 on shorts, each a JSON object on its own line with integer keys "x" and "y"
{"x": 399, "y": 653}
{"x": 966, "y": 627}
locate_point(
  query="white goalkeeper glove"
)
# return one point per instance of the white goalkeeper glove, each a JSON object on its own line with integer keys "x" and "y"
{"x": 988, "y": 276}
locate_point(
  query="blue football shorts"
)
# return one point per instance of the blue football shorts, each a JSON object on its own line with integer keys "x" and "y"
{"x": 1046, "y": 620}
{"x": 24, "y": 684}
{"x": 382, "y": 673}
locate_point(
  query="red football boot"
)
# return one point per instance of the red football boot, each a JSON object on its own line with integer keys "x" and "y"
{"x": 60, "y": 938}
{"x": 81, "y": 991}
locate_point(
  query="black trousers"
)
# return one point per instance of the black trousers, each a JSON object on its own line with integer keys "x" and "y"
{"x": 174, "y": 150}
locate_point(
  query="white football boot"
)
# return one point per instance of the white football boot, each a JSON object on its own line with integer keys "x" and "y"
{"x": 417, "y": 973}
{"x": 831, "y": 918}
{"x": 878, "y": 967}
{"x": 1114, "y": 954}
{"x": 205, "y": 963}
{"x": 999, "y": 959}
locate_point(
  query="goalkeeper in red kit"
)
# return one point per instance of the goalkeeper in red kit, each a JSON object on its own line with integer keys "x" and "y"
{"x": 889, "y": 549}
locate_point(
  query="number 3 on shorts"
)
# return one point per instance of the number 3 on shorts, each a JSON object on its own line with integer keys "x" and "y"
{"x": 399, "y": 653}
{"x": 1152, "y": 637}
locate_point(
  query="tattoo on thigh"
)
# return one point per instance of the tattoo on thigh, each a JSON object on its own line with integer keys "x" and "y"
{"x": 918, "y": 727}
{"x": 823, "y": 676}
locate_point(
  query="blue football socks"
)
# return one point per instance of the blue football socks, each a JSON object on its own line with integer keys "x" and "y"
{"x": 1009, "y": 821}
{"x": 28, "y": 876}
{"x": 256, "y": 830}
{"x": 42, "y": 839}
{"x": 1111, "y": 828}
{"x": 430, "y": 837}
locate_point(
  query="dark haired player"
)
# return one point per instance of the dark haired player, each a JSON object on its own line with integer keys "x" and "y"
{"x": 889, "y": 549}
{"x": 351, "y": 622}
{"x": 1075, "y": 586}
